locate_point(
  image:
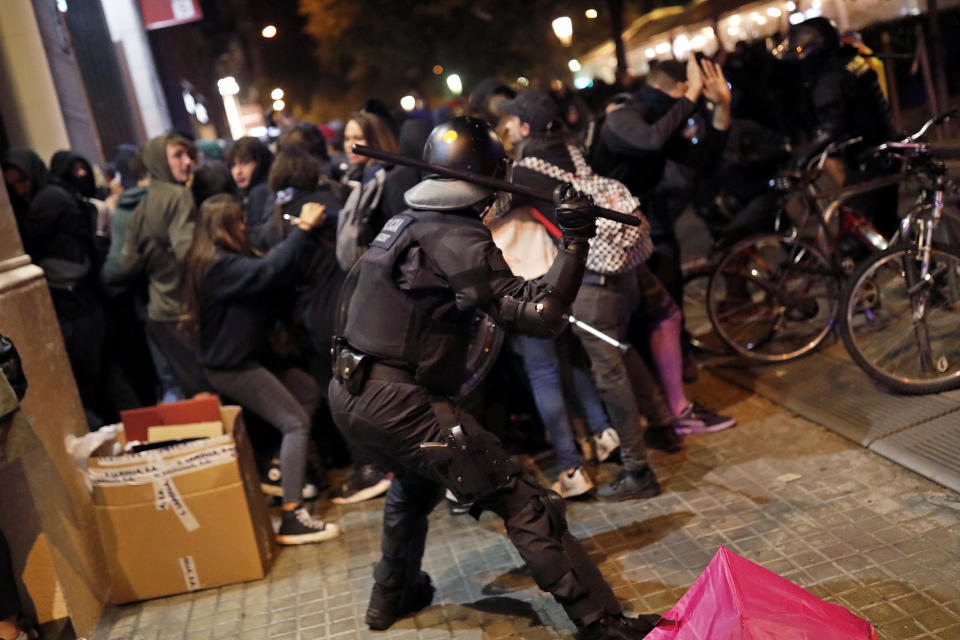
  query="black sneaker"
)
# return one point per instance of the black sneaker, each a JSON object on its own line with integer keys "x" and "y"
{"x": 631, "y": 484}
{"x": 697, "y": 419}
{"x": 299, "y": 527}
{"x": 456, "y": 507}
{"x": 386, "y": 607}
{"x": 664, "y": 438}
{"x": 365, "y": 483}
{"x": 619, "y": 627}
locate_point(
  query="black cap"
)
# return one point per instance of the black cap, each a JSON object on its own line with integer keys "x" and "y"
{"x": 536, "y": 108}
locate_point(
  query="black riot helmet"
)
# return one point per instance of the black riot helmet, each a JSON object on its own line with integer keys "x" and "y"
{"x": 465, "y": 144}
{"x": 809, "y": 39}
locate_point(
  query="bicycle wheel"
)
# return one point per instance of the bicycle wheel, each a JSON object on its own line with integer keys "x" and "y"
{"x": 773, "y": 298}
{"x": 901, "y": 330}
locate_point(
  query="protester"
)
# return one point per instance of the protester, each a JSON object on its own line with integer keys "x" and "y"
{"x": 156, "y": 242}
{"x": 24, "y": 174}
{"x": 249, "y": 161}
{"x": 210, "y": 178}
{"x": 413, "y": 135}
{"x": 226, "y": 287}
{"x": 643, "y": 144}
{"x": 604, "y": 302}
{"x": 369, "y": 130}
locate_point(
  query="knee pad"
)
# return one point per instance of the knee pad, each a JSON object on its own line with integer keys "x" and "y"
{"x": 474, "y": 464}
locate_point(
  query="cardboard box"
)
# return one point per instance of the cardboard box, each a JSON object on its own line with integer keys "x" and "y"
{"x": 183, "y": 518}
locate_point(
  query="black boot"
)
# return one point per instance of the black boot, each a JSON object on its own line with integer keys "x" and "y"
{"x": 631, "y": 484}
{"x": 619, "y": 627}
{"x": 663, "y": 438}
{"x": 386, "y": 607}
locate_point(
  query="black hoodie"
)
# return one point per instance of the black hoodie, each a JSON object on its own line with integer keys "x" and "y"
{"x": 61, "y": 165}
{"x": 413, "y": 136}
{"x": 58, "y": 233}
{"x": 31, "y": 166}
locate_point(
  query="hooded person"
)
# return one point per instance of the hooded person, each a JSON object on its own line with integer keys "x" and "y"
{"x": 122, "y": 156}
{"x": 413, "y": 135}
{"x": 59, "y": 234}
{"x": 156, "y": 243}
{"x": 76, "y": 174}
{"x": 57, "y": 230}
{"x": 25, "y": 175}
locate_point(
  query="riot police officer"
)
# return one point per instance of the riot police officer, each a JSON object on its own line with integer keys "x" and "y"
{"x": 401, "y": 355}
{"x": 846, "y": 102}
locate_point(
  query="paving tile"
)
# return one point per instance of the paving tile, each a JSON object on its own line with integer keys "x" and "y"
{"x": 854, "y": 529}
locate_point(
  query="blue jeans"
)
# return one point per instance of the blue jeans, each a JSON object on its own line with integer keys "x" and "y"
{"x": 543, "y": 369}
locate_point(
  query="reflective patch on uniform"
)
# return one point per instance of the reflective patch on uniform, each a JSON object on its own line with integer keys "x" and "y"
{"x": 858, "y": 66}
{"x": 391, "y": 231}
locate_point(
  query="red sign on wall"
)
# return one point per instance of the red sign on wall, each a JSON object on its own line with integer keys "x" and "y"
{"x": 158, "y": 14}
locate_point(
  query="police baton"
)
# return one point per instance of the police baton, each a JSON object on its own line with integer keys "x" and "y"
{"x": 598, "y": 334}
{"x": 485, "y": 181}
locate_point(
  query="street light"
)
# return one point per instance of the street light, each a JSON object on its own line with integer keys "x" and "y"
{"x": 269, "y": 31}
{"x": 407, "y": 103}
{"x": 455, "y": 84}
{"x": 278, "y": 105}
{"x": 591, "y": 13}
{"x": 229, "y": 88}
{"x": 563, "y": 28}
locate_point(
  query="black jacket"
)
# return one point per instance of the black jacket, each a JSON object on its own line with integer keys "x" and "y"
{"x": 413, "y": 135}
{"x": 312, "y": 302}
{"x": 234, "y": 315}
{"x": 642, "y": 144}
{"x": 847, "y": 102}
{"x": 417, "y": 288}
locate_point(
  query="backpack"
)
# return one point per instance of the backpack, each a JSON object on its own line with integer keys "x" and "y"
{"x": 617, "y": 247}
{"x": 353, "y": 223}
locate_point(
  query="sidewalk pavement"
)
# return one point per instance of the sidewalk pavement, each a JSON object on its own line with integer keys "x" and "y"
{"x": 815, "y": 508}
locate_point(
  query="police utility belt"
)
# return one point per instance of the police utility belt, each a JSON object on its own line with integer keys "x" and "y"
{"x": 353, "y": 368}
{"x": 473, "y": 464}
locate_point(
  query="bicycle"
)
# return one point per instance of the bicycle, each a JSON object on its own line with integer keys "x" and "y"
{"x": 773, "y": 296}
{"x": 900, "y": 310}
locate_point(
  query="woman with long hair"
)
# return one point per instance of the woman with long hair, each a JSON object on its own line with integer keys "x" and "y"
{"x": 227, "y": 289}
{"x": 369, "y": 130}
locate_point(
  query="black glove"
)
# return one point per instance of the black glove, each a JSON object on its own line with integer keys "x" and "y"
{"x": 575, "y": 213}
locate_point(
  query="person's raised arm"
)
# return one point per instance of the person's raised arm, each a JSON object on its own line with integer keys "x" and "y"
{"x": 717, "y": 91}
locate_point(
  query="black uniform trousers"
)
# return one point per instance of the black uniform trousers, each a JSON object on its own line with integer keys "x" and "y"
{"x": 390, "y": 420}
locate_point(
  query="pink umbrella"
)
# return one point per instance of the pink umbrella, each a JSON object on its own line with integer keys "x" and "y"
{"x": 735, "y": 599}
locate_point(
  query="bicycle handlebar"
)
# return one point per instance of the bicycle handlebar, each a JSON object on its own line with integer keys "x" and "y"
{"x": 910, "y": 142}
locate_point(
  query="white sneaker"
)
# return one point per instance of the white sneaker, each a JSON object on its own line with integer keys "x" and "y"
{"x": 607, "y": 443}
{"x": 572, "y": 482}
